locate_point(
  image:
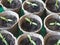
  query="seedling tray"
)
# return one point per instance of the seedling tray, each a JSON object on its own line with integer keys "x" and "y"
{"x": 21, "y": 13}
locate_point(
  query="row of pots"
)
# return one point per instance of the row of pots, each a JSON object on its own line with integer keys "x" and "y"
{"x": 30, "y": 6}
{"x": 24, "y": 39}
{"x": 51, "y": 23}
{"x": 51, "y": 6}
{"x": 25, "y": 26}
{"x": 51, "y": 17}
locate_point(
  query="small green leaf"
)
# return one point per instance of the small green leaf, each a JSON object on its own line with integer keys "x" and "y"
{"x": 33, "y": 4}
{"x": 5, "y": 19}
{"x": 29, "y": 37}
{"x": 9, "y": 20}
{"x": 58, "y": 24}
{"x": 34, "y": 23}
{"x": 56, "y": 4}
{"x": 58, "y": 43}
{"x": 28, "y": 3}
{"x": 55, "y": 23}
{"x": 1, "y": 35}
{"x": 30, "y": 23}
{"x": 3, "y": 39}
{"x": 52, "y": 24}
{"x": 31, "y": 40}
{"x": 10, "y": 1}
{"x": 27, "y": 19}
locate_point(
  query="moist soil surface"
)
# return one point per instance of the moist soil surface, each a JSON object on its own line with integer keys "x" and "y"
{"x": 54, "y": 27}
{"x": 51, "y": 5}
{"x": 33, "y": 9}
{"x": 26, "y": 26}
{"x": 8, "y": 38}
{"x": 4, "y": 23}
{"x": 52, "y": 40}
{"x": 13, "y": 4}
{"x": 27, "y": 42}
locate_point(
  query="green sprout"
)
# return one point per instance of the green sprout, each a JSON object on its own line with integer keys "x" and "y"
{"x": 29, "y": 37}
{"x": 10, "y": 1}
{"x": 58, "y": 42}
{"x": 33, "y": 4}
{"x": 55, "y": 23}
{"x": 27, "y": 19}
{"x": 3, "y": 39}
{"x": 56, "y": 4}
{"x": 5, "y": 19}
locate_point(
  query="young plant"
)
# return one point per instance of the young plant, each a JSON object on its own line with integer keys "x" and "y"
{"x": 58, "y": 42}
{"x": 54, "y": 23}
{"x": 3, "y": 39}
{"x": 10, "y": 1}
{"x": 33, "y": 4}
{"x": 27, "y": 19}
{"x": 56, "y": 4}
{"x": 29, "y": 37}
{"x": 5, "y": 19}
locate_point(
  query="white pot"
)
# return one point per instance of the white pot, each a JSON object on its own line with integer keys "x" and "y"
{"x": 50, "y": 34}
{"x": 48, "y": 11}
{"x": 15, "y": 9}
{"x": 13, "y": 27}
{"x": 6, "y": 32}
{"x": 53, "y": 15}
{"x": 37, "y": 13}
{"x": 31, "y": 34}
{"x": 30, "y": 16}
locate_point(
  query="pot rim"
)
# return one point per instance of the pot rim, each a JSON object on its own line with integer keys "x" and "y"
{"x": 34, "y": 12}
{"x": 50, "y": 34}
{"x": 48, "y": 11}
{"x": 11, "y": 13}
{"x": 7, "y": 32}
{"x": 47, "y": 29}
{"x": 5, "y": 8}
{"x": 32, "y": 34}
{"x": 27, "y": 15}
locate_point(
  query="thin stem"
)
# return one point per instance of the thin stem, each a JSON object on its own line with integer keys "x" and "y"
{"x": 27, "y": 19}
{"x": 3, "y": 39}
{"x": 5, "y": 19}
{"x": 31, "y": 40}
{"x": 57, "y": 4}
{"x": 10, "y": 1}
{"x": 55, "y": 23}
{"x": 33, "y": 4}
{"x": 58, "y": 43}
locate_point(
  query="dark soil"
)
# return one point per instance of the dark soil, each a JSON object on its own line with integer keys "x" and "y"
{"x": 33, "y": 9}
{"x": 52, "y": 40}
{"x": 27, "y": 42}
{"x": 52, "y": 7}
{"x": 8, "y": 38}
{"x": 4, "y": 23}
{"x": 14, "y": 4}
{"x": 30, "y": 27}
{"x": 55, "y": 27}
